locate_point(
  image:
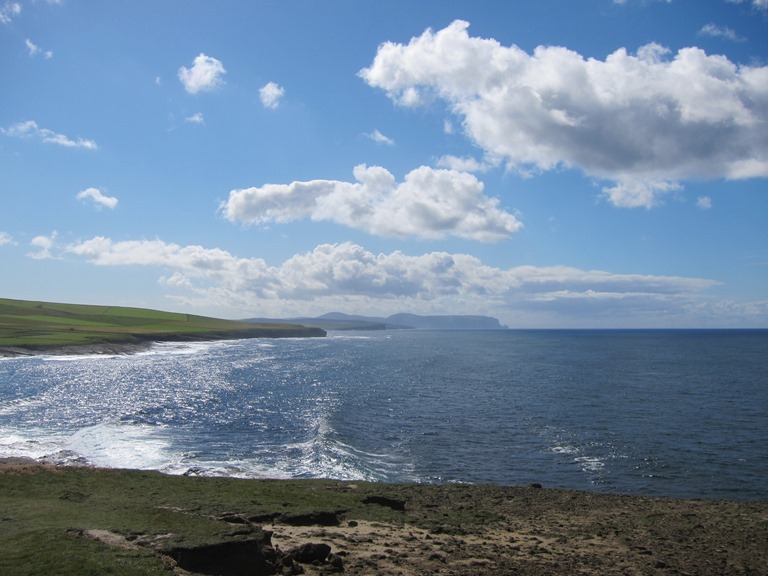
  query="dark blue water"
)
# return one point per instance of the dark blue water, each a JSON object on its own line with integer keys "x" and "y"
{"x": 673, "y": 413}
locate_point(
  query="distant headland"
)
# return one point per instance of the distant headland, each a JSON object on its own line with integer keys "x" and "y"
{"x": 402, "y": 321}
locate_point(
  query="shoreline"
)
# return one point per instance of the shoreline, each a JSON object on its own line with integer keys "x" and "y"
{"x": 107, "y": 349}
{"x": 142, "y": 344}
{"x": 383, "y": 529}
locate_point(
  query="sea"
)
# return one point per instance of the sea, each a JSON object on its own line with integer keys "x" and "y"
{"x": 674, "y": 413}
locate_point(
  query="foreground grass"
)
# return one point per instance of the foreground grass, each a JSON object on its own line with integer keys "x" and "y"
{"x": 40, "y": 325}
{"x": 42, "y": 507}
{"x": 46, "y": 514}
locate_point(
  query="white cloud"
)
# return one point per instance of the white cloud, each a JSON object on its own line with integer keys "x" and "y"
{"x": 271, "y": 94}
{"x": 6, "y": 239}
{"x": 43, "y": 246}
{"x": 195, "y": 118}
{"x": 8, "y": 11}
{"x": 334, "y": 275}
{"x": 34, "y": 50}
{"x": 429, "y": 203}
{"x": 757, "y": 4}
{"x": 379, "y": 138}
{"x": 636, "y": 193}
{"x": 643, "y": 121}
{"x": 704, "y": 202}
{"x": 720, "y": 32}
{"x": 30, "y": 129}
{"x": 98, "y": 198}
{"x": 205, "y": 74}
{"x": 462, "y": 164}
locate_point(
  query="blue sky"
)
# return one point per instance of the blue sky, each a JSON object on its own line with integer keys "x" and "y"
{"x": 553, "y": 163}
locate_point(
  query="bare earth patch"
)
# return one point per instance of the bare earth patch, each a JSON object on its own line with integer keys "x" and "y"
{"x": 540, "y": 531}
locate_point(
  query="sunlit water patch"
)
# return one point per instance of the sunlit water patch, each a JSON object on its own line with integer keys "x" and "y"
{"x": 679, "y": 413}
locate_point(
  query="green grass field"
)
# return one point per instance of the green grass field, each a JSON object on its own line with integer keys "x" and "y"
{"x": 41, "y": 510}
{"x": 34, "y": 325}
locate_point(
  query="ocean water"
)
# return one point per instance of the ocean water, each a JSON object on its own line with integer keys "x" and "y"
{"x": 669, "y": 413}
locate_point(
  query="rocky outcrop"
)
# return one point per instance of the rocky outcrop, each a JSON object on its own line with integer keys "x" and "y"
{"x": 253, "y": 555}
{"x": 232, "y": 558}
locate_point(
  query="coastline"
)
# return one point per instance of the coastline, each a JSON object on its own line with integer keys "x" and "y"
{"x": 29, "y": 328}
{"x": 107, "y": 348}
{"x": 185, "y": 524}
{"x": 142, "y": 343}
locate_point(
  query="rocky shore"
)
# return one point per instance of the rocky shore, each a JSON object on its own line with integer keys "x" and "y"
{"x": 112, "y": 348}
{"x": 214, "y": 526}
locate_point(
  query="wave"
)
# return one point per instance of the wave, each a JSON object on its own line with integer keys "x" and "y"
{"x": 325, "y": 455}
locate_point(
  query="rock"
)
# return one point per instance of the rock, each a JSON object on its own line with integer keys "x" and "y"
{"x": 336, "y": 562}
{"x": 248, "y": 556}
{"x": 311, "y": 552}
{"x": 232, "y": 518}
{"x": 289, "y": 568}
{"x": 385, "y": 501}
{"x": 311, "y": 519}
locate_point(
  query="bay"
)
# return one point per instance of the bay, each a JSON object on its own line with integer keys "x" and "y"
{"x": 681, "y": 413}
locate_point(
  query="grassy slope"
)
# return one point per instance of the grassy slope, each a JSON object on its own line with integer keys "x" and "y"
{"x": 40, "y": 507}
{"x": 28, "y": 324}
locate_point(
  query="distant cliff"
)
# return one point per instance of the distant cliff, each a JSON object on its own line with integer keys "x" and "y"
{"x": 446, "y": 322}
{"x": 402, "y": 321}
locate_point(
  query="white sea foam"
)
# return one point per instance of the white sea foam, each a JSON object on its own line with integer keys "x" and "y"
{"x": 36, "y": 445}
{"x": 566, "y": 449}
{"x": 123, "y": 445}
{"x": 590, "y": 463}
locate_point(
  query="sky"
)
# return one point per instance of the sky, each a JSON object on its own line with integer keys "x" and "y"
{"x": 550, "y": 163}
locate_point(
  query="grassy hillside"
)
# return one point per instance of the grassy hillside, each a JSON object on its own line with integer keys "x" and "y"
{"x": 38, "y": 325}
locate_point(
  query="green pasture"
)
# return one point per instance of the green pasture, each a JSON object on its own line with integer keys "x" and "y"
{"x": 30, "y": 324}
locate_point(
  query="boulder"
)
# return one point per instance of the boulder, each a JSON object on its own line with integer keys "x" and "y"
{"x": 311, "y": 552}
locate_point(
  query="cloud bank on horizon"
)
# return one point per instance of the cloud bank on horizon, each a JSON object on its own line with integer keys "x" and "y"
{"x": 334, "y": 273}
{"x": 435, "y": 217}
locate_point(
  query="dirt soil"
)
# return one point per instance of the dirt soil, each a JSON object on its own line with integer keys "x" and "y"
{"x": 536, "y": 531}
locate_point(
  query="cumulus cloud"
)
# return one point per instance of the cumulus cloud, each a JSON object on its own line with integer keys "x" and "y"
{"x": 643, "y": 121}
{"x": 206, "y": 74}
{"x": 271, "y": 94}
{"x": 99, "y": 199}
{"x": 8, "y": 11}
{"x": 42, "y": 246}
{"x": 704, "y": 202}
{"x": 6, "y": 239}
{"x": 30, "y": 129}
{"x": 428, "y": 203}
{"x": 379, "y": 138}
{"x": 335, "y": 274}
